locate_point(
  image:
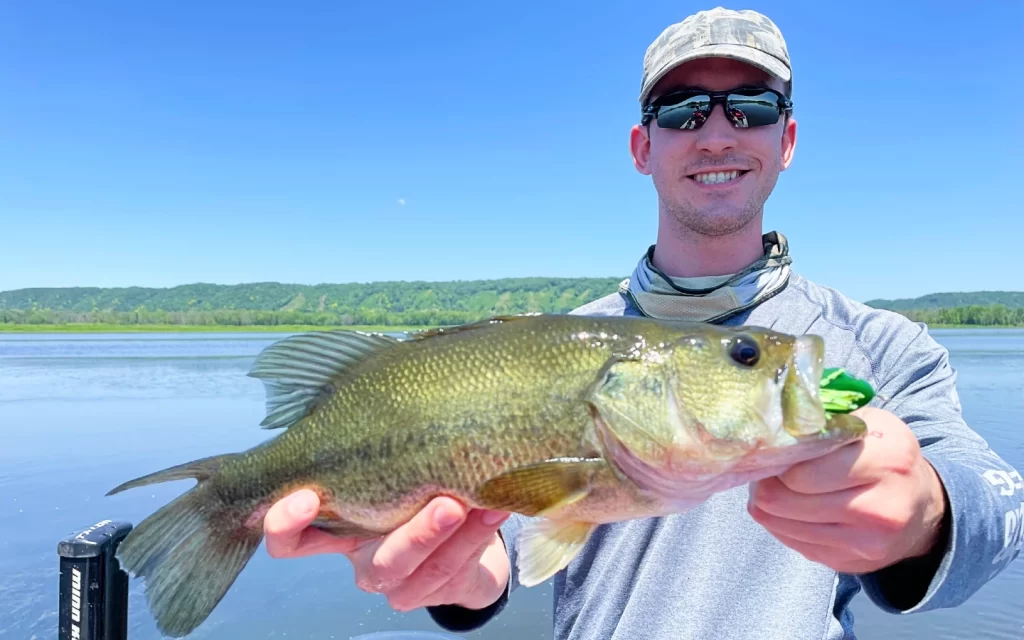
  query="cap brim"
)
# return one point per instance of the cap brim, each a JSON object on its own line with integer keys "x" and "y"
{"x": 766, "y": 62}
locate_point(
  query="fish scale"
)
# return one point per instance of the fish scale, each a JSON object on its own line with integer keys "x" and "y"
{"x": 575, "y": 420}
{"x": 451, "y": 394}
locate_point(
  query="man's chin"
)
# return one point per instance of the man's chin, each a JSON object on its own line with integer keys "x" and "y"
{"x": 714, "y": 219}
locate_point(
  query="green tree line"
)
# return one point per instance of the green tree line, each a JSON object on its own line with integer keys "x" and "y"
{"x": 271, "y": 304}
{"x": 998, "y": 315}
{"x": 379, "y": 299}
{"x": 991, "y": 315}
{"x": 950, "y": 300}
{"x": 396, "y": 303}
{"x": 240, "y": 318}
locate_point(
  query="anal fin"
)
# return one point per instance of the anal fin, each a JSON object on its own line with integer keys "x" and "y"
{"x": 342, "y": 528}
{"x": 331, "y": 519}
{"x": 548, "y": 546}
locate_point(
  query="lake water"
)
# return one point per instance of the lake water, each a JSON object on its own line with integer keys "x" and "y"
{"x": 79, "y": 414}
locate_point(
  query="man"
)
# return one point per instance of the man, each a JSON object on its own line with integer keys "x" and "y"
{"x": 915, "y": 515}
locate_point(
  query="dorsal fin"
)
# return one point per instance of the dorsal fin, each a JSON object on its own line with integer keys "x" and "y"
{"x": 297, "y": 371}
{"x": 470, "y": 326}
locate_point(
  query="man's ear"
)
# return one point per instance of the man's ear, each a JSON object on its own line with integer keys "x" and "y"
{"x": 788, "y": 142}
{"x": 640, "y": 148}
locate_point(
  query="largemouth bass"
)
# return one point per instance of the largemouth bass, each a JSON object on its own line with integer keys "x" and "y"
{"x": 574, "y": 420}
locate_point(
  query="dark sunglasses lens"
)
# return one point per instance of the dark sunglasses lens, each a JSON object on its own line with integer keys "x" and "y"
{"x": 753, "y": 110}
{"x": 689, "y": 113}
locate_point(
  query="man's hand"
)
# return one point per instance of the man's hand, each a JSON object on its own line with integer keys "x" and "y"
{"x": 864, "y": 507}
{"x": 446, "y": 554}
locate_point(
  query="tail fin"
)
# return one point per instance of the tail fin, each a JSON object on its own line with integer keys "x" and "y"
{"x": 191, "y": 550}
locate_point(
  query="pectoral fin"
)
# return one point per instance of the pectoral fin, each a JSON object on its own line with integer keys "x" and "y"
{"x": 541, "y": 488}
{"x": 548, "y": 546}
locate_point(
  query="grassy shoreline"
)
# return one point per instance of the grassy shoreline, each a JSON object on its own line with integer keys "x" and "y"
{"x": 173, "y": 328}
{"x": 975, "y": 326}
{"x": 291, "y": 328}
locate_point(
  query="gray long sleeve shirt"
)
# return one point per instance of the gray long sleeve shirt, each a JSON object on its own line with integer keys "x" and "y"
{"x": 715, "y": 573}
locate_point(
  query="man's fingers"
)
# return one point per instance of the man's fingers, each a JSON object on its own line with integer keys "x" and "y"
{"x": 454, "y": 560}
{"x": 842, "y": 469}
{"x": 825, "y": 534}
{"x": 773, "y": 496}
{"x": 286, "y": 527}
{"x": 890, "y": 448}
{"x": 844, "y": 540}
{"x": 428, "y": 556}
{"x": 831, "y": 557}
{"x": 405, "y": 548}
{"x": 479, "y": 585}
{"x": 813, "y": 552}
{"x": 285, "y": 521}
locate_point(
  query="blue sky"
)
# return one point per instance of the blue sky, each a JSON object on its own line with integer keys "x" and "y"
{"x": 157, "y": 144}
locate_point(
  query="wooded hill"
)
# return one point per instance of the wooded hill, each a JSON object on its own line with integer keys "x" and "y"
{"x": 272, "y": 303}
{"x": 399, "y": 303}
{"x": 1011, "y": 299}
{"x": 982, "y": 308}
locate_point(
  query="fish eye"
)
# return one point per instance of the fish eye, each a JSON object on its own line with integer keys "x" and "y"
{"x": 745, "y": 351}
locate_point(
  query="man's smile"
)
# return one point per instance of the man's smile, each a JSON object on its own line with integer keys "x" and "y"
{"x": 718, "y": 177}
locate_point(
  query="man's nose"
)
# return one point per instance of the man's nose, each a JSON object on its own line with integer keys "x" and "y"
{"x": 717, "y": 134}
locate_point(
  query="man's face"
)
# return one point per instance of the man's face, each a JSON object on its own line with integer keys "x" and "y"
{"x": 673, "y": 158}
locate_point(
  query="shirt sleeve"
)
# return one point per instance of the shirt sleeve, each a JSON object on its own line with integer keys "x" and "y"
{"x": 982, "y": 532}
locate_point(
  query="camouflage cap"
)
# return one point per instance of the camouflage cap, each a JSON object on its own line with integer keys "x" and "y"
{"x": 745, "y": 35}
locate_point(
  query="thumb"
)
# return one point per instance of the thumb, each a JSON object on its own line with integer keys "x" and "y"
{"x": 287, "y": 518}
{"x": 300, "y": 509}
{"x": 289, "y": 535}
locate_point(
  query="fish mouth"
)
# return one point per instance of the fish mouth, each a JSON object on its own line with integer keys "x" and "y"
{"x": 809, "y": 362}
{"x": 787, "y": 424}
{"x": 796, "y": 409}
{"x": 796, "y": 424}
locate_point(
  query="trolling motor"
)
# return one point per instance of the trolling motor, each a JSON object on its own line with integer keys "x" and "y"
{"x": 93, "y": 597}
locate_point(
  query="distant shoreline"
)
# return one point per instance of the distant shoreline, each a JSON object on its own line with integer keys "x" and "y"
{"x": 179, "y": 328}
{"x": 172, "y": 328}
{"x": 975, "y": 326}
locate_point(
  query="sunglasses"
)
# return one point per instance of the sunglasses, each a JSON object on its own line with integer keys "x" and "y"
{"x": 744, "y": 107}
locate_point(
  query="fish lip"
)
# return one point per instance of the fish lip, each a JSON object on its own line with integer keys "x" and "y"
{"x": 808, "y": 358}
{"x": 774, "y": 417}
{"x": 803, "y": 370}
{"x": 781, "y": 373}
